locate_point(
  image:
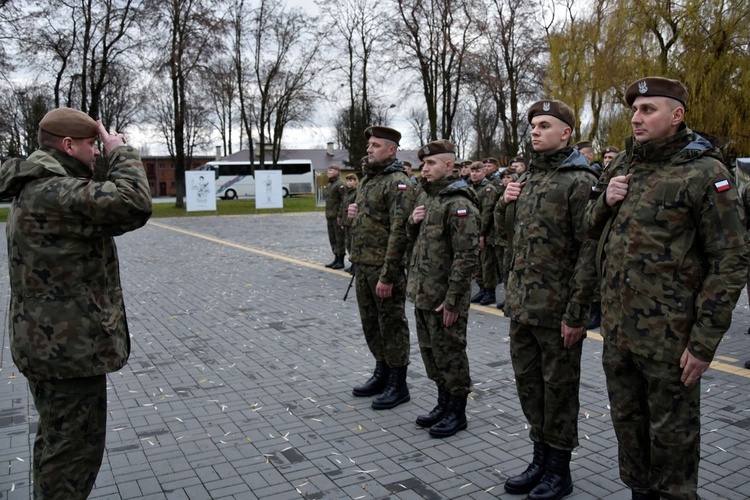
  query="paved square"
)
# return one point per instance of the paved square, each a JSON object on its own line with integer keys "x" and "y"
{"x": 239, "y": 386}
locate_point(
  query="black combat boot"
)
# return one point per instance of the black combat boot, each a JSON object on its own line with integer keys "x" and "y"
{"x": 395, "y": 393}
{"x": 376, "y": 383}
{"x": 477, "y": 298}
{"x": 556, "y": 482}
{"x": 454, "y": 419}
{"x": 436, "y": 415}
{"x": 649, "y": 495}
{"x": 338, "y": 263}
{"x": 489, "y": 297}
{"x": 595, "y": 316}
{"x": 525, "y": 481}
{"x": 333, "y": 262}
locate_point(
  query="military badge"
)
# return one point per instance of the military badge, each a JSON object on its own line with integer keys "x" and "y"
{"x": 426, "y": 150}
{"x": 402, "y": 187}
{"x": 488, "y": 190}
{"x": 722, "y": 185}
{"x": 462, "y": 212}
{"x": 642, "y": 87}
{"x": 546, "y": 106}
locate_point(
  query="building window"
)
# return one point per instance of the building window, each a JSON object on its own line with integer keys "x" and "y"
{"x": 161, "y": 166}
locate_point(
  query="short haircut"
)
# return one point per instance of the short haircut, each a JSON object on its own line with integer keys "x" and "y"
{"x": 49, "y": 140}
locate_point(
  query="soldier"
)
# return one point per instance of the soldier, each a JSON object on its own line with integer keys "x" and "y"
{"x": 67, "y": 315}
{"x": 445, "y": 225}
{"x": 588, "y": 151}
{"x": 518, "y": 164}
{"x": 608, "y": 155}
{"x": 671, "y": 226}
{"x": 409, "y": 174}
{"x": 384, "y": 202}
{"x": 500, "y": 240}
{"x": 466, "y": 170}
{"x": 492, "y": 174}
{"x": 334, "y": 192}
{"x": 548, "y": 295}
{"x": 349, "y": 196}
{"x": 487, "y": 270}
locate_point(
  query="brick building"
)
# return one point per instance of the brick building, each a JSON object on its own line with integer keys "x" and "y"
{"x": 160, "y": 172}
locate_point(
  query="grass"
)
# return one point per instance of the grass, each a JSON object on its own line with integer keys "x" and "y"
{"x": 304, "y": 203}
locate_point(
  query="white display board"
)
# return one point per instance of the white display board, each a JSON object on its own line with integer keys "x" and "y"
{"x": 200, "y": 191}
{"x": 269, "y": 189}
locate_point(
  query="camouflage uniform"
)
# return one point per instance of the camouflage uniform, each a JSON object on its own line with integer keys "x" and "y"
{"x": 334, "y": 194}
{"x": 673, "y": 262}
{"x": 348, "y": 197}
{"x": 384, "y": 201}
{"x": 445, "y": 255}
{"x": 487, "y": 195}
{"x": 67, "y": 317}
{"x": 550, "y": 281}
{"x": 499, "y": 237}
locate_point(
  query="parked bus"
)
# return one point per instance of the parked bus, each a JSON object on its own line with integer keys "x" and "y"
{"x": 234, "y": 178}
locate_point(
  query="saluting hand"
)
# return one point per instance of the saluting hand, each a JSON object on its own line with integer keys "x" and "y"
{"x": 617, "y": 189}
{"x": 513, "y": 191}
{"x": 418, "y": 214}
{"x": 692, "y": 368}
{"x": 110, "y": 141}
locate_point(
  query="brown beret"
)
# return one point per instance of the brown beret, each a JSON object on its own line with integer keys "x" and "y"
{"x": 335, "y": 167}
{"x": 477, "y": 165}
{"x": 491, "y": 160}
{"x": 466, "y": 163}
{"x": 519, "y": 159}
{"x": 657, "y": 86}
{"x": 68, "y": 122}
{"x": 583, "y": 144}
{"x": 553, "y": 107}
{"x": 406, "y": 163}
{"x": 610, "y": 149}
{"x": 388, "y": 133}
{"x": 436, "y": 148}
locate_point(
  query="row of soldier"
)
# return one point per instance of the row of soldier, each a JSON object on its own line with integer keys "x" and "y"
{"x": 660, "y": 233}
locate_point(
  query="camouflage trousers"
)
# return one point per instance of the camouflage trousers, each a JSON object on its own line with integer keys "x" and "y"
{"x": 547, "y": 379}
{"x": 383, "y": 320}
{"x": 348, "y": 239}
{"x": 502, "y": 258}
{"x": 444, "y": 351}
{"x": 70, "y": 436}
{"x": 487, "y": 270}
{"x": 335, "y": 237}
{"x": 657, "y": 423}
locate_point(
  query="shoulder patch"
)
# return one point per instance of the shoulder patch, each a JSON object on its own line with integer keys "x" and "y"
{"x": 722, "y": 185}
{"x": 462, "y": 212}
{"x": 402, "y": 187}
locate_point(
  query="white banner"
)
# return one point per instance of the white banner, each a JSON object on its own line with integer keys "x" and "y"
{"x": 269, "y": 189}
{"x": 200, "y": 190}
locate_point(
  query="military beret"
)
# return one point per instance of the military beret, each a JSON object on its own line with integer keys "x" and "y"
{"x": 407, "y": 163}
{"x": 68, "y": 122}
{"x": 388, "y": 133}
{"x": 335, "y": 167}
{"x": 436, "y": 148}
{"x": 519, "y": 159}
{"x": 583, "y": 144}
{"x": 657, "y": 86}
{"x": 491, "y": 160}
{"x": 610, "y": 149}
{"x": 477, "y": 165}
{"x": 466, "y": 163}
{"x": 553, "y": 107}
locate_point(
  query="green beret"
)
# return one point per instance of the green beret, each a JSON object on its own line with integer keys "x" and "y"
{"x": 68, "y": 122}
{"x": 388, "y": 133}
{"x": 659, "y": 87}
{"x": 436, "y": 148}
{"x": 553, "y": 107}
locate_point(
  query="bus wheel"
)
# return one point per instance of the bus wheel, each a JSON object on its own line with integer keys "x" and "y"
{"x": 286, "y": 192}
{"x": 231, "y": 194}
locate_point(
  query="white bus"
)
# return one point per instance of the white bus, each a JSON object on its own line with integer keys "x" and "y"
{"x": 233, "y": 178}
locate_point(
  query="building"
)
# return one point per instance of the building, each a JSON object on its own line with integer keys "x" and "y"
{"x": 160, "y": 172}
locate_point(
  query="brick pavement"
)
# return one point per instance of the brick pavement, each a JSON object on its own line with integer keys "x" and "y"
{"x": 239, "y": 386}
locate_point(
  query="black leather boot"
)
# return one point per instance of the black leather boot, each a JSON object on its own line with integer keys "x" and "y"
{"x": 335, "y": 259}
{"x": 489, "y": 297}
{"x": 395, "y": 393}
{"x": 454, "y": 419}
{"x": 649, "y": 495}
{"x": 525, "y": 481}
{"x": 595, "y": 316}
{"x": 376, "y": 384}
{"x": 338, "y": 263}
{"x": 436, "y": 415}
{"x": 477, "y": 298}
{"x": 556, "y": 482}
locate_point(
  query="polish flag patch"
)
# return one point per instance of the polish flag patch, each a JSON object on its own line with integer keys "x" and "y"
{"x": 722, "y": 185}
{"x": 402, "y": 187}
{"x": 462, "y": 212}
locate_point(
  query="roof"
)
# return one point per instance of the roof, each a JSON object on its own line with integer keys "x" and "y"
{"x": 320, "y": 158}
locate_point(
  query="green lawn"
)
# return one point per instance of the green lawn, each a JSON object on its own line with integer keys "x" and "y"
{"x": 226, "y": 207}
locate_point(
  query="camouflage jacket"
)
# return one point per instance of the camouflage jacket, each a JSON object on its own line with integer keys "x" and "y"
{"x": 347, "y": 198}
{"x": 384, "y": 201}
{"x": 487, "y": 195}
{"x": 334, "y": 193}
{"x": 552, "y": 272}
{"x": 499, "y": 234}
{"x": 673, "y": 253}
{"x": 446, "y": 247}
{"x": 67, "y": 316}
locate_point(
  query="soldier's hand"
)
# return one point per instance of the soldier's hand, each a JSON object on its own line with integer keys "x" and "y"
{"x": 513, "y": 191}
{"x": 338, "y": 221}
{"x": 351, "y": 211}
{"x": 418, "y": 214}
{"x": 617, "y": 189}
{"x": 570, "y": 335}
{"x": 110, "y": 141}
{"x": 692, "y": 368}
{"x": 481, "y": 242}
{"x": 448, "y": 317}
{"x": 383, "y": 290}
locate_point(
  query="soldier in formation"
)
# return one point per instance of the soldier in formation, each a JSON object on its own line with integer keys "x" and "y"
{"x": 487, "y": 270}
{"x": 347, "y": 198}
{"x": 334, "y": 192}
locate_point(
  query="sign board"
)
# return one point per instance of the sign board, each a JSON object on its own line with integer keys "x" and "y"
{"x": 269, "y": 189}
{"x": 200, "y": 186}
